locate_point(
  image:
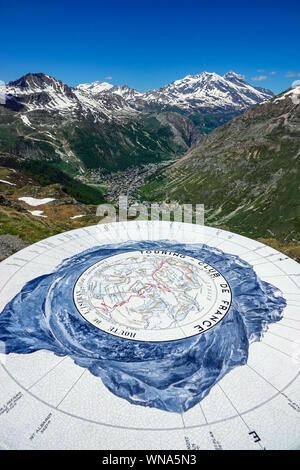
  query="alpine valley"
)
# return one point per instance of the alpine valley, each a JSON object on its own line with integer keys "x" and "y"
{"x": 205, "y": 138}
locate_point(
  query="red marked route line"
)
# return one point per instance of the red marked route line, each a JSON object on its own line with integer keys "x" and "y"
{"x": 159, "y": 285}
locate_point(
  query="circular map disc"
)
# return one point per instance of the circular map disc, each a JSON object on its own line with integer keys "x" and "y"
{"x": 149, "y": 335}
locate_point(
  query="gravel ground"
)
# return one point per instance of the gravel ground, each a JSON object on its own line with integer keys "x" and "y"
{"x": 9, "y": 244}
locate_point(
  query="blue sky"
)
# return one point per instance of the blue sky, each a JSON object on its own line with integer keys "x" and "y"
{"x": 148, "y": 44}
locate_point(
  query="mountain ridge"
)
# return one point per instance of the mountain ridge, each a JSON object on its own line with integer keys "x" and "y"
{"x": 194, "y": 93}
{"x": 246, "y": 172}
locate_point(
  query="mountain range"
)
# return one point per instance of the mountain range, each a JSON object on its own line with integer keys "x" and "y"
{"x": 223, "y": 142}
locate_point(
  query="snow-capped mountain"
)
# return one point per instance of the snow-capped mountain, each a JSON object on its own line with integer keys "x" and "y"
{"x": 40, "y": 92}
{"x": 85, "y": 127}
{"x": 192, "y": 94}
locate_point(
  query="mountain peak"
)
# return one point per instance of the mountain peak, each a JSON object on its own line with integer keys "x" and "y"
{"x": 41, "y": 91}
{"x": 204, "y": 92}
